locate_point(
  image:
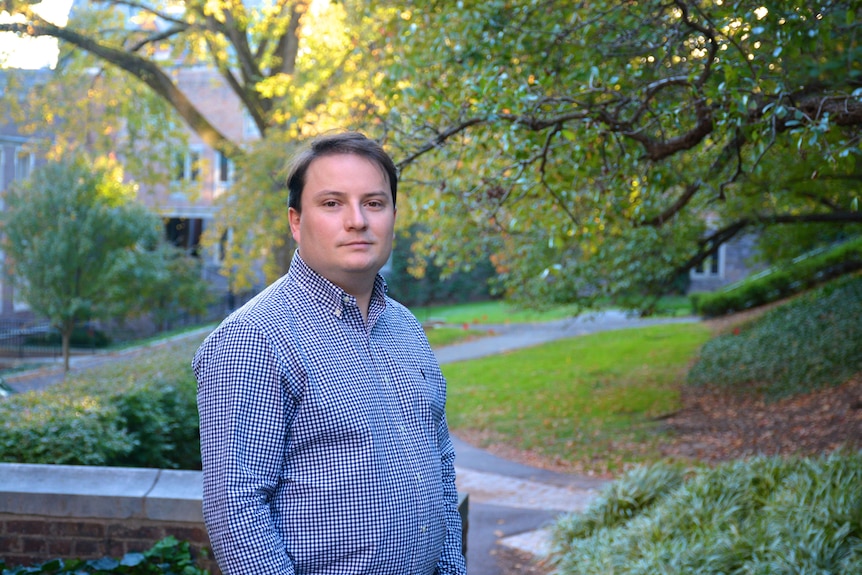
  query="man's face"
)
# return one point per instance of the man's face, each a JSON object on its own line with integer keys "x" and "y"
{"x": 347, "y": 223}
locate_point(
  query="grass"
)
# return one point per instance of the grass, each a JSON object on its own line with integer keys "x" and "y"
{"x": 442, "y": 336}
{"x": 161, "y": 336}
{"x": 500, "y": 312}
{"x": 587, "y": 403}
{"x": 489, "y": 312}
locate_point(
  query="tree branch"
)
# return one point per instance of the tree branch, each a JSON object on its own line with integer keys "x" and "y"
{"x": 679, "y": 204}
{"x": 141, "y": 68}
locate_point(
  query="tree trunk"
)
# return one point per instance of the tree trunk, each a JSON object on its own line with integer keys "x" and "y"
{"x": 66, "y": 333}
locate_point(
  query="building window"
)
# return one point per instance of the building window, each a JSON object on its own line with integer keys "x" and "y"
{"x": 24, "y": 161}
{"x": 225, "y": 169}
{"x": 711, "y": 267}
{"x": 185, "y": 233}
{"x": 187, "y": 166}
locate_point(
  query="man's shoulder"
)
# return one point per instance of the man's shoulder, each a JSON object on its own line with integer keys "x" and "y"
{"x": 400, "y": 312}
{"x": 267, "y": 308}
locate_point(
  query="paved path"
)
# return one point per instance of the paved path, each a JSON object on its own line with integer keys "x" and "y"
{"x": 510, "y": 504}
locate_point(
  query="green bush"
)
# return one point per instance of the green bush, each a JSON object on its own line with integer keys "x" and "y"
{"x": 784, "y": 281}
{"x": 61, "y": 429}
{"x": 621, "y": 501}
{"x": 81, "y": 337}
{"x": 138, "y": 413}
{"x": 765, "y": 515}
{"x": 168, "y": 556}
{"x": 808, "y": 343}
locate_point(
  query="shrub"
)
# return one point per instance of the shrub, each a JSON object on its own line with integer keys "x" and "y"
{"x": 621, "y": 501}
{"x": 141, "y": 412}
{"x": 168, "y": 556}
{"x": 61, "y": 429}
{"x": 782, "y": 282}
{"x": 808, "y": 343}
{"x": 81, "y": 337}
{"x": 765, "y": 515}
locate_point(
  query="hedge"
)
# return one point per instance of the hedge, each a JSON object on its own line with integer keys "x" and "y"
{"x": 781, "y": 282}
{"x": 141, "y": 413}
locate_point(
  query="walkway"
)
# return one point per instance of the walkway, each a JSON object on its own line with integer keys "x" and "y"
{"x": 514, "y": 505}
{"x": 510, "y": 504}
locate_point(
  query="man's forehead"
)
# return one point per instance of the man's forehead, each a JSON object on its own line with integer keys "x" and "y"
{"x": 316, "y": 166}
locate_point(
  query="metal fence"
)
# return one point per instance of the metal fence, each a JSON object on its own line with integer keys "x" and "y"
{"x": 20, "y": 339}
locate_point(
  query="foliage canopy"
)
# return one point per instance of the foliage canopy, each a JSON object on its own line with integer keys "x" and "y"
{"x": 589, "y": 149}
{"x": 624, "y": 141}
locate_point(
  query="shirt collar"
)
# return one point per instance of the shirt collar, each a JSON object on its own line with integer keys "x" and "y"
{"x": 330, "y": 296}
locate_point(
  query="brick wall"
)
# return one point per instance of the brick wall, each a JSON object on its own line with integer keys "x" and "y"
{"x": 71, "y": 512}
{"x": 33, "y": 539}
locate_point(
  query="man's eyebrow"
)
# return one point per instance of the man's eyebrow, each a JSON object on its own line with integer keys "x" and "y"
{"x": 340, "y": 194}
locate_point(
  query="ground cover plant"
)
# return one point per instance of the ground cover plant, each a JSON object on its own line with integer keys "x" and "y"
{"x": 166, "y": 557}
{"x": 806, "y": 344}
{"x": 766, "y": 515}
{"x": 590, "y": 403}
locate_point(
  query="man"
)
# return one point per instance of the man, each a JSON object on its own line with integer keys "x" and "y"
{"x": 323, "y": 432}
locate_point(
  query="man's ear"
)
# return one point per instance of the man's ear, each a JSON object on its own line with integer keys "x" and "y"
{"x": 293, "y": 216}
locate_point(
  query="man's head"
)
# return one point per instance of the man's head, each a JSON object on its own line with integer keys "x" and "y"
{"x": 342, "y": 210}
{"x": 341, "y": 143}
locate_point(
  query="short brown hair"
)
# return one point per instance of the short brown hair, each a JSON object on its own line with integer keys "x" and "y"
{"x": 334, "y": 144}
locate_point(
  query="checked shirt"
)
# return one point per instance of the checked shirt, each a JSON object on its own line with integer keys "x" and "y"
{"x": 324, "y": 439}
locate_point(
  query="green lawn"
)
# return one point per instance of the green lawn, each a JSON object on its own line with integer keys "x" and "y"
{"x": 499, "y": 312}
{"x": 489, "y": 312}
{"x": 442, "y": 336}
{"x": 587, "y": 402}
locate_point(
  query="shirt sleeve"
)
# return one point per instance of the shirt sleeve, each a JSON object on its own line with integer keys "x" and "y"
{"x": 243, "y": 420}
{"x": 452, "y": 560}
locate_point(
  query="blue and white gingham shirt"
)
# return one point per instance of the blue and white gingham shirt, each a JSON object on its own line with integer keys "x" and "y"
{"x": 324, "y": 439}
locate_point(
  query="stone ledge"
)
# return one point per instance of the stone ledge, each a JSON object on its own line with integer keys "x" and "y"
{"x": 100, "y": 492}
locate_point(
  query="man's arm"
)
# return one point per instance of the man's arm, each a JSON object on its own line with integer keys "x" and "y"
{"x": 243, "y": 429}
{"x": 452, "y": 561}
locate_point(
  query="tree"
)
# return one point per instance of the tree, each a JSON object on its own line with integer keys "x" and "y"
{"x": 607, "y": 148}
{"x": 298, "y": 67}
{"x": 81, "y": 248}
{"x": 591, "y": 149}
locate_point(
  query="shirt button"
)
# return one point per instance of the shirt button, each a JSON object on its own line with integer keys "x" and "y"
{"x": 346, "y": 299}
{"x": 338, "y": 313}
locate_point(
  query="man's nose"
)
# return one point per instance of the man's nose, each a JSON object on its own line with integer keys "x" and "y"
{"x": 355, "y": 217}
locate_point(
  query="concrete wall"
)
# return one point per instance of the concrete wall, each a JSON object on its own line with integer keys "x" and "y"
{"x": 67, "y": 511}
{"x": 51, "y": 511}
